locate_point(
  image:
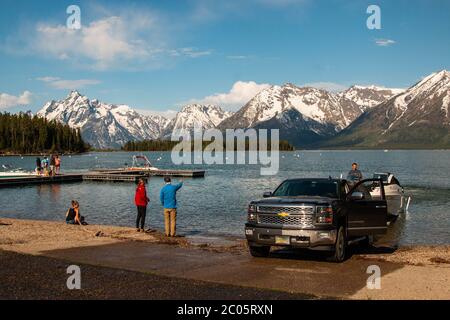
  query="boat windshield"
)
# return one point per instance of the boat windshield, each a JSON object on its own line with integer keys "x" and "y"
{"x": 309, "y": 188}
{"x": 382, "y": 176}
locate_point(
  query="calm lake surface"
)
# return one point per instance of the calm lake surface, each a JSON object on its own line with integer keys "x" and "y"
{"x": 216, "y": 205}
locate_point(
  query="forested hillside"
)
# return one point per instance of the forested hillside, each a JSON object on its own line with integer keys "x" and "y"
{"x": 23, "y": 133}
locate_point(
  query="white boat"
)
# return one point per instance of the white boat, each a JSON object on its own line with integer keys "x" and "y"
{"x": 141, "y": 163}
{"x": 16, "y": 174}
{"x": 397, "y": 202}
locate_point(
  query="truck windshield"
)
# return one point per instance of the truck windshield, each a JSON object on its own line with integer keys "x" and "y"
{"x": 310, "y": 188}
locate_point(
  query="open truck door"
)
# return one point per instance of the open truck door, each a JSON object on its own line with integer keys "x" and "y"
{"x": 367, "y": 214}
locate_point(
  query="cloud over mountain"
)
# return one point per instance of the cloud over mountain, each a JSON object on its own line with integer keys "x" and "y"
{"x": 9, "y": 101}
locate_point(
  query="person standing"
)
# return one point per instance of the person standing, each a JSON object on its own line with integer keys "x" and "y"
{"x": 354, "y": 175}
{"x": 52, "y": 165}
{"x": 141, "y": 200}
{"x": 168, "y": 197}
{"x": 38, "y": 166}
{"x": 57, "y": 164}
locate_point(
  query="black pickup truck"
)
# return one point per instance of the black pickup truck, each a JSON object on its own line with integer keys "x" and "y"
{"x": 319, "y": 214}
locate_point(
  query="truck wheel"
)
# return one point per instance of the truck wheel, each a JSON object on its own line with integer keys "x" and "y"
{"x": 340, "y": 248}
{"x": 259, "y": 252}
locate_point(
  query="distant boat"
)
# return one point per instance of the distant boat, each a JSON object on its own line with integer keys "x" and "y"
{"x": 16, "y": 174}
{"x": 141, "y": 163}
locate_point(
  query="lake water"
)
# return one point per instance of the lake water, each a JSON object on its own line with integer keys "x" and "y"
{"x": 216, "y": 205}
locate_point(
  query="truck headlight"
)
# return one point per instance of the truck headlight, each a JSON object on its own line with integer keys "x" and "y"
{"x": 252, "y": 213}
{"x": 324, "y": 215}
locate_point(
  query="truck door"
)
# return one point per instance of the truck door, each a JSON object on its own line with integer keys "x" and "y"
{"x": 366, "y": 212}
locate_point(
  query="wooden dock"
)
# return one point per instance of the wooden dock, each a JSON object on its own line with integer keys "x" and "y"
{"x": 32, "y": 180}
{"x": 111, "y": 177}
{"x": 107, "y": 175}
{"x": 158, "y": 173}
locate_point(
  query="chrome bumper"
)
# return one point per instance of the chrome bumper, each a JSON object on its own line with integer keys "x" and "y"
{"x": 296, "y": 238}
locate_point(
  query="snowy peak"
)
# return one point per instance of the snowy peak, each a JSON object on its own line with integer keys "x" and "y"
{"x": 103, "y": 125}
{"x": 436, "y": 85}
{"x": 208, "y": 115}
{"x": 314, "y": 104}
{"x": 192, "y": 115}
{"x": 366, "y": 97}
{"x": 418, "y": 117}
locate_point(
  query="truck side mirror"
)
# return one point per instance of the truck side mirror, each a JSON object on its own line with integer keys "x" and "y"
{"x": 357, "y": 196}
{"x": 267, "y": 194}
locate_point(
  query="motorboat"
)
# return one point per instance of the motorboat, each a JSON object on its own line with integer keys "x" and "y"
{"x": 397, "y": 202}
{"x": 16, "y": 173}
{"x": 141, "y": 163}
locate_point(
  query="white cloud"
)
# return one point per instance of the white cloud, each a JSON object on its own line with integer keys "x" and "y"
{"x": 384, "y": 42}
{"x": 8, "y": 101}
{"x": 62, "y": 84}
{"x": 102, "y": 42}
{"x": 240, "y": 93}
{"x": 130, "y": 39}
{"x": 328, "y": 86}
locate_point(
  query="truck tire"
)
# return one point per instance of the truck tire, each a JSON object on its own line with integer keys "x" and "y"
{"x": 340, "y": 248}
{"x": 259, "y": 252}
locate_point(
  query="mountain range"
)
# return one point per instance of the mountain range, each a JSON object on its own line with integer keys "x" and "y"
{"x": 361, "y": 116}
{"x": 417, "y": 118}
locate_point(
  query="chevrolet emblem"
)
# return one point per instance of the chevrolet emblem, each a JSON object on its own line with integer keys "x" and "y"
{"x": 283, "y": 214}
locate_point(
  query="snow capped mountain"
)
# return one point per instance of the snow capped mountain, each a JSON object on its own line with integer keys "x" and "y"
{"x": 314, "y": 104}
{"x": 103, "y": 125}
{"x": 361, "y": 116}
{"x": 364, "y": 98}
{"x": 417, "y": 117}
{"x": 205, "y": 116}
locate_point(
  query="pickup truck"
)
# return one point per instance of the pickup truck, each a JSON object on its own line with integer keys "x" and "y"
{"x": 318, "y": 214}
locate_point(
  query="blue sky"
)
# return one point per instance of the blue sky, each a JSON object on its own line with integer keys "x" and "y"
{"x": 157, "y": 55}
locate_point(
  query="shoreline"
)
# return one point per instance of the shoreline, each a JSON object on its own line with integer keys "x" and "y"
{"x": 229, "y": 263}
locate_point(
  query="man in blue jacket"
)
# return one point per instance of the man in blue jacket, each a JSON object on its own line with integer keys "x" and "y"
{"x": 168, "y": 197}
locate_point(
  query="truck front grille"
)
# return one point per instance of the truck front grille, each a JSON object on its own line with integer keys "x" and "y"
{"x": 292, "y": 220}
{"x": 295, "y": 216}
{"x": 290, "y": 210}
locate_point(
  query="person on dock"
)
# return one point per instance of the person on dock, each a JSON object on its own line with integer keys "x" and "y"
{"x": 141, "y": 200}
{"x": 44, "y": 165}
{"x": 73, "y": 214}
{"x": 57, "y": 164}
{"x": 354, "y": 175}
{"x": 38, "y": 166}
{"x": 168, "y": 197}
{"x": 52, "y": 165}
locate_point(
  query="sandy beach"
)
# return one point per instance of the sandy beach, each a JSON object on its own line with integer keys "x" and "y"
{"x": 417, "y": 272}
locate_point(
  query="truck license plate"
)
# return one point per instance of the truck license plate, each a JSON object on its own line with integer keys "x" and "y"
{"x": 282, "y": 240}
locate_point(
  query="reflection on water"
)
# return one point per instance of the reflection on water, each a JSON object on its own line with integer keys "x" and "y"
{"x": 216, "y": 205}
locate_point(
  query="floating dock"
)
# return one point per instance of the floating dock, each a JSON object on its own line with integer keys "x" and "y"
{"x": 158, "y": 173}
{"x": 107, "y": 175}
{"x": 21, "y": 181}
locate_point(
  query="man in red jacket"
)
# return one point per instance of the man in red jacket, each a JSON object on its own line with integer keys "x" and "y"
{"x": 141, "y": 200}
